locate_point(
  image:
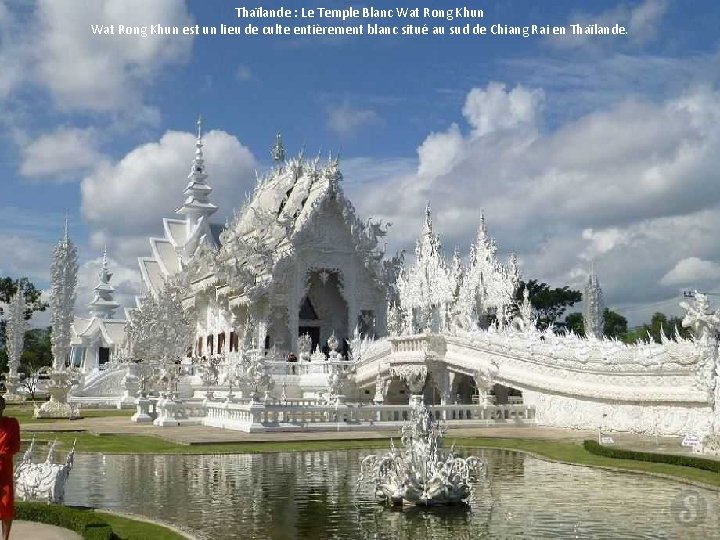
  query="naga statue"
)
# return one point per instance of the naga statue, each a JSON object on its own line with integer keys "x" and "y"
{"x": 43, "y": 481}
{"x": 420, "y": 473}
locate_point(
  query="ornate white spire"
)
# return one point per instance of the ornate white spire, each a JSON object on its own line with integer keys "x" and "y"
{"x": 62, "y": 297}
{"x": 427, "y": 289}
{"x": 197, "y": 207}
{"x": 278, "y": 150}
{"x": 488, "y": 286}
{"x": 593, "y": 307}
{"x": 103, "y": 305}
{"x": 15, "y": 331}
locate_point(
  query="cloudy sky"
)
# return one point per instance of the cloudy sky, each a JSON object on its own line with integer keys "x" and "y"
{"x": 603, "y": 149}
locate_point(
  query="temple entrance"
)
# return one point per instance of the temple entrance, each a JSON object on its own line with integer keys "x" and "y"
{"x": 103, "y": 355}
{"x": 323, "y": 310}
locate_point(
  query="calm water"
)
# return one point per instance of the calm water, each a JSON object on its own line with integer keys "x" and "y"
{"x": 312, "y": 495}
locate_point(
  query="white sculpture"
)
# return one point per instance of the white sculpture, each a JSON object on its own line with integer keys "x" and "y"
{"x": 15, "y": 332}
{"x": 420, "y": 473}
{"x": 160, "y": 329}
{"x": 43, "y": 481}
{"x": 62, "y": 297}
{"x": 62, "y": 303}
{"x": 593, "y": 307}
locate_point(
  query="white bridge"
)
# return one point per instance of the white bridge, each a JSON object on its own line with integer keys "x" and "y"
{"x": 569, "y": 381}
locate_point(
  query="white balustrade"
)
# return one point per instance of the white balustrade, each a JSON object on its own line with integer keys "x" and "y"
{"x": 309, "y": 415}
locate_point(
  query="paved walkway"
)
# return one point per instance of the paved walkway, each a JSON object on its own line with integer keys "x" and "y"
{"x": 27, "y": 530}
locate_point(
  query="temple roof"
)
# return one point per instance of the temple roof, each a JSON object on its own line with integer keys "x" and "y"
{"x": 283, "y": 206}
{"x": 112, "y": 331}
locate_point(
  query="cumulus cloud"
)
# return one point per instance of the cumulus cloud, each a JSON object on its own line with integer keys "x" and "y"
{"x": 124, "y": 202}
{"x": 53, "y": 46}
{"x": 692, "y": 271}
{"x": 493, "y": 108}
{"x": 346, "y": 119}
{"x": 632, "y": 186}
{"x": 60, "y": 153}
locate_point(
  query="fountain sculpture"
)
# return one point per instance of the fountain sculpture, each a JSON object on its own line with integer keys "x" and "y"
{"x": 43, "y": 481}
{"x": 420, "y": 473}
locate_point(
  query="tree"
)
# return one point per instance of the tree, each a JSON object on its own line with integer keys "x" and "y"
{"x": 549, "y": 304}
{"x": 33, "y": 302}
{"x": 614, "y": 324}
{"x": 575, "y": 322}
{"x": 33, "y": 297}
{"x": 659, "y": 324}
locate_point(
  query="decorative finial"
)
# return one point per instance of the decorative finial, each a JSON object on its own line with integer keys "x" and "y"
{"x": 104, "y": 259}
{"x": 428, "y": 216}
{"x": 66, "y": 236}
{"x": 199, "y": 127}
{"x": 278, "y": 150}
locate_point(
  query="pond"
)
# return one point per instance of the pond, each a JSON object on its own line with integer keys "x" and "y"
{"x": 313, "y": 495}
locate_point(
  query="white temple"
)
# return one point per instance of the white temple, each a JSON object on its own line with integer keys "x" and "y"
{"x": 294, "y": 260}
{"x": 295, "y": 290}
{"x": 97, "y": 340}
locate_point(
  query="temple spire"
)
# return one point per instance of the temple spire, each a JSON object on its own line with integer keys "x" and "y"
{"x": 278, "y": 150}
{"x": 103, "y": 304}
{"x": 593, "y": 306}
{"x": 197, "y": 207}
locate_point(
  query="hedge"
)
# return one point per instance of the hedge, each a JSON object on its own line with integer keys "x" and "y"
{"x": 672, "y": 459}
{"x": 85, "y": 523}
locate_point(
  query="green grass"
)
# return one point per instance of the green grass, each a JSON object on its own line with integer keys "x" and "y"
{"x": 91, "y": 524}
{"x": 130, "y": 529}
{"x": 24, "y": 414}
{"x": 148, "y": 444}
{"x": 575, "y": 453}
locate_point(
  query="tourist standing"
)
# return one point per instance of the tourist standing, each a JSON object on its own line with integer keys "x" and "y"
{"x": 9, "y": 446}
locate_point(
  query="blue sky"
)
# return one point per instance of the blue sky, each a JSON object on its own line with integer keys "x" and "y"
{"x": 599, "y": 148}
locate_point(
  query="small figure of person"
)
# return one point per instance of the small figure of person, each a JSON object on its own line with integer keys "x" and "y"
{"x": 9, "y": 446}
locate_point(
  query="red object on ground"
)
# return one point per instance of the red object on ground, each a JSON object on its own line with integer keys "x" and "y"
{"x": 9, "y": 446}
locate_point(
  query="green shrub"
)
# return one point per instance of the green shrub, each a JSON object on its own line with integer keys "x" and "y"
{"x": 672, "y": 459}
{"x": 81, "y": 521}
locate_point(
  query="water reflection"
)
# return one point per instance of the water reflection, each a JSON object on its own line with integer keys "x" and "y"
{"x": 313, "y": 495}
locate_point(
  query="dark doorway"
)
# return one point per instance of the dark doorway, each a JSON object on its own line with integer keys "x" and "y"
{"x": 313, "y": 332}
{"x": 103, "y": 355}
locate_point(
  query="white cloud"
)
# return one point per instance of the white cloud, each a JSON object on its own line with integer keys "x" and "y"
{"x": 492, "y": 108}
{"x": 60, "y": 153}
{"x": 345, "y": 119}
{"x": 692, "y": 271}
{"x": 25, "y": 256}
{"x": 641, "y": 23}
{"x": 124, "y": 202}
{"x": 440, "y": 152}
{"x": 53, "y": 46}
{"x": 632, "y": 186}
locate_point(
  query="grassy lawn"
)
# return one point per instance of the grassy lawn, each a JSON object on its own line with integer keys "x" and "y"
{"x": 130, "y": 529}
{"x": 89, "y": 523}
{"x": 575, "y": 453}
{"x": 148, "y": 444}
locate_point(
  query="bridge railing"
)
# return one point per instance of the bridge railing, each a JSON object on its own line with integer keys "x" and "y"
{"x": 279, "y": 416}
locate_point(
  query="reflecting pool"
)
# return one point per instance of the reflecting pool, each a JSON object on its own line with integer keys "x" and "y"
{"x": 313, "y": 495}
